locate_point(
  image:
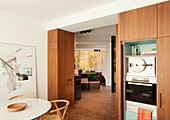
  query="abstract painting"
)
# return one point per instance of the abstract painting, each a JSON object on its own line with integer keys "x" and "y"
{"x": 20, "y": 59}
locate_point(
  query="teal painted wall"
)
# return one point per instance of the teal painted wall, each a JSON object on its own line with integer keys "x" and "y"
{"x": 142, "y": 45}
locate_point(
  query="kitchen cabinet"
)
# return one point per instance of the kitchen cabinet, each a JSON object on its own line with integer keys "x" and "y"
{"x": 147, "y": 23}
{"x": 138, "y": 24}
{"x": 163, "y": 79}
{"x": 164, "y": 19}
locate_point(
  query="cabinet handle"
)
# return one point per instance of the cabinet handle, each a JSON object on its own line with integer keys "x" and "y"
{"x": 160, "y": 100}
{"x": 69, "y": 79}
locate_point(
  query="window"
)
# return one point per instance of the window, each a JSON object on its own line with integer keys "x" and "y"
{"x": 89, "y": 60}
{"x": 77, "y": 58}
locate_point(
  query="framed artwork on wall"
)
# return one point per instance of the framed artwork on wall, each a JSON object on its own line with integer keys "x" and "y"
{"x": 17, "y": 59}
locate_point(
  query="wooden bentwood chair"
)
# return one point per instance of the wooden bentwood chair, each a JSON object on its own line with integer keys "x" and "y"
{"x": 22, "y": 96}
{"x": 59, "y": 115}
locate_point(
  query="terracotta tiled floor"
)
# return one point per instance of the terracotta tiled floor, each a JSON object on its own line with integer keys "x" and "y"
{"x": 94, "y": 105}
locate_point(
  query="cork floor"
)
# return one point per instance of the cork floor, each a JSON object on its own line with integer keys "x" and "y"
{"x": 99, "y": 104}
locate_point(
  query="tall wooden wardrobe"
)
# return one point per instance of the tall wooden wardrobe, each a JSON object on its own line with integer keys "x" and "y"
{"x": 60, "y": 65}
{"x": 147, "y": 23}
{"x": 163, "y": 56}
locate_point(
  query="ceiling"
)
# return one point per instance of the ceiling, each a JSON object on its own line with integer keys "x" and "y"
{"x": 91, "y": 24}
{"x": 97, "y": 38}
{"x": 73, "y": 15}
{"x": 47, "y": 10}
{"x": 104, "y": 15}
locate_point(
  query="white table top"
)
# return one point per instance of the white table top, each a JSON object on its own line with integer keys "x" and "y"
{"x": 35, "y": 108}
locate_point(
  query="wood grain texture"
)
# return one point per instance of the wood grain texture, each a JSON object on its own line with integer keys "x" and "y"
{"x": 164, "y": 19}
{"x": 163, "y": 79}
{"x": 52, "y": 65}
{"x": 139, "y": 23}
{"x": 119, "y": 72}
{"x": 66, "y": 65}
{"x": 61, "y": 65}
{"x": 52, "y": 74}
{"x": 134, "y": 25}
{"x": 52, "y": 39}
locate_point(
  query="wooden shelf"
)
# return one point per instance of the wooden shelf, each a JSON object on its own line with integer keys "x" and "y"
{"x": 139, "y": 55}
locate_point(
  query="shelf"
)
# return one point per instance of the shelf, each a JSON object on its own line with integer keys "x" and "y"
{"x": 143, "y": 42}
{"x": 139, "y": 55}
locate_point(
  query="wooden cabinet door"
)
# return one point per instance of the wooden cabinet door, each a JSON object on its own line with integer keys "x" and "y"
{"x": 52, "y": 65}
{"x": 164, "y": 19}
{"x": 138, "y": 24}
{"x": 61, "y": 65}
{"x": 163, "y": 78}
{"x": 66, "y": 65}
{"x": 119, "y": 76}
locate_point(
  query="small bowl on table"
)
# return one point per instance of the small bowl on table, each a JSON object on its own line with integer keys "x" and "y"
{"x": 16, "y": 107}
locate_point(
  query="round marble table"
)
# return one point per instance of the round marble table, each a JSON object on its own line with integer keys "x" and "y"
{"x": 35, "y": 108}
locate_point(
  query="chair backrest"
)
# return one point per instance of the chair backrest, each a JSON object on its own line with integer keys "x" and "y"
{"x": 100, "y": 74}
{"x": 144, "y": 114}
{"x": 58, "y": 110}
{"x": 22, "y": 96}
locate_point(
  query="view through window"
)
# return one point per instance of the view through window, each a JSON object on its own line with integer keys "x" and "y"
{"x": 89, "y": 60}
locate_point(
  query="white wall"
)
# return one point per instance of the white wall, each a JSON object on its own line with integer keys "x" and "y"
{"x": 98, "y": 38}
{"x": 22, "y": 30}
{"x": 27, "y": 31}
{"x": 99, "y": 12}
{"x": 107, "y": 66}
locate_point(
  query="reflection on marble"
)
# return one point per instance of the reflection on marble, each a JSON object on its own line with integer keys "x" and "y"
{"x": 34, "y": 109}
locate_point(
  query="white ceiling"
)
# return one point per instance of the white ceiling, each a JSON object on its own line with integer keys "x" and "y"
{"x": 91, "y": 24}
{"x": 97, "y": 38}
{"x": 47, "y": 10}
{"x": 102, "y": 34}
{"x": 74, "y": 15}
{"x": 103, "y": 15}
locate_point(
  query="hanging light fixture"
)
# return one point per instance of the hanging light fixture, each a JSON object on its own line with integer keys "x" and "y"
{"x": 85, "y": 31}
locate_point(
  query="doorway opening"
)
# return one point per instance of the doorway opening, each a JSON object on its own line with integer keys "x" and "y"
{"x": 94, "y": 74}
